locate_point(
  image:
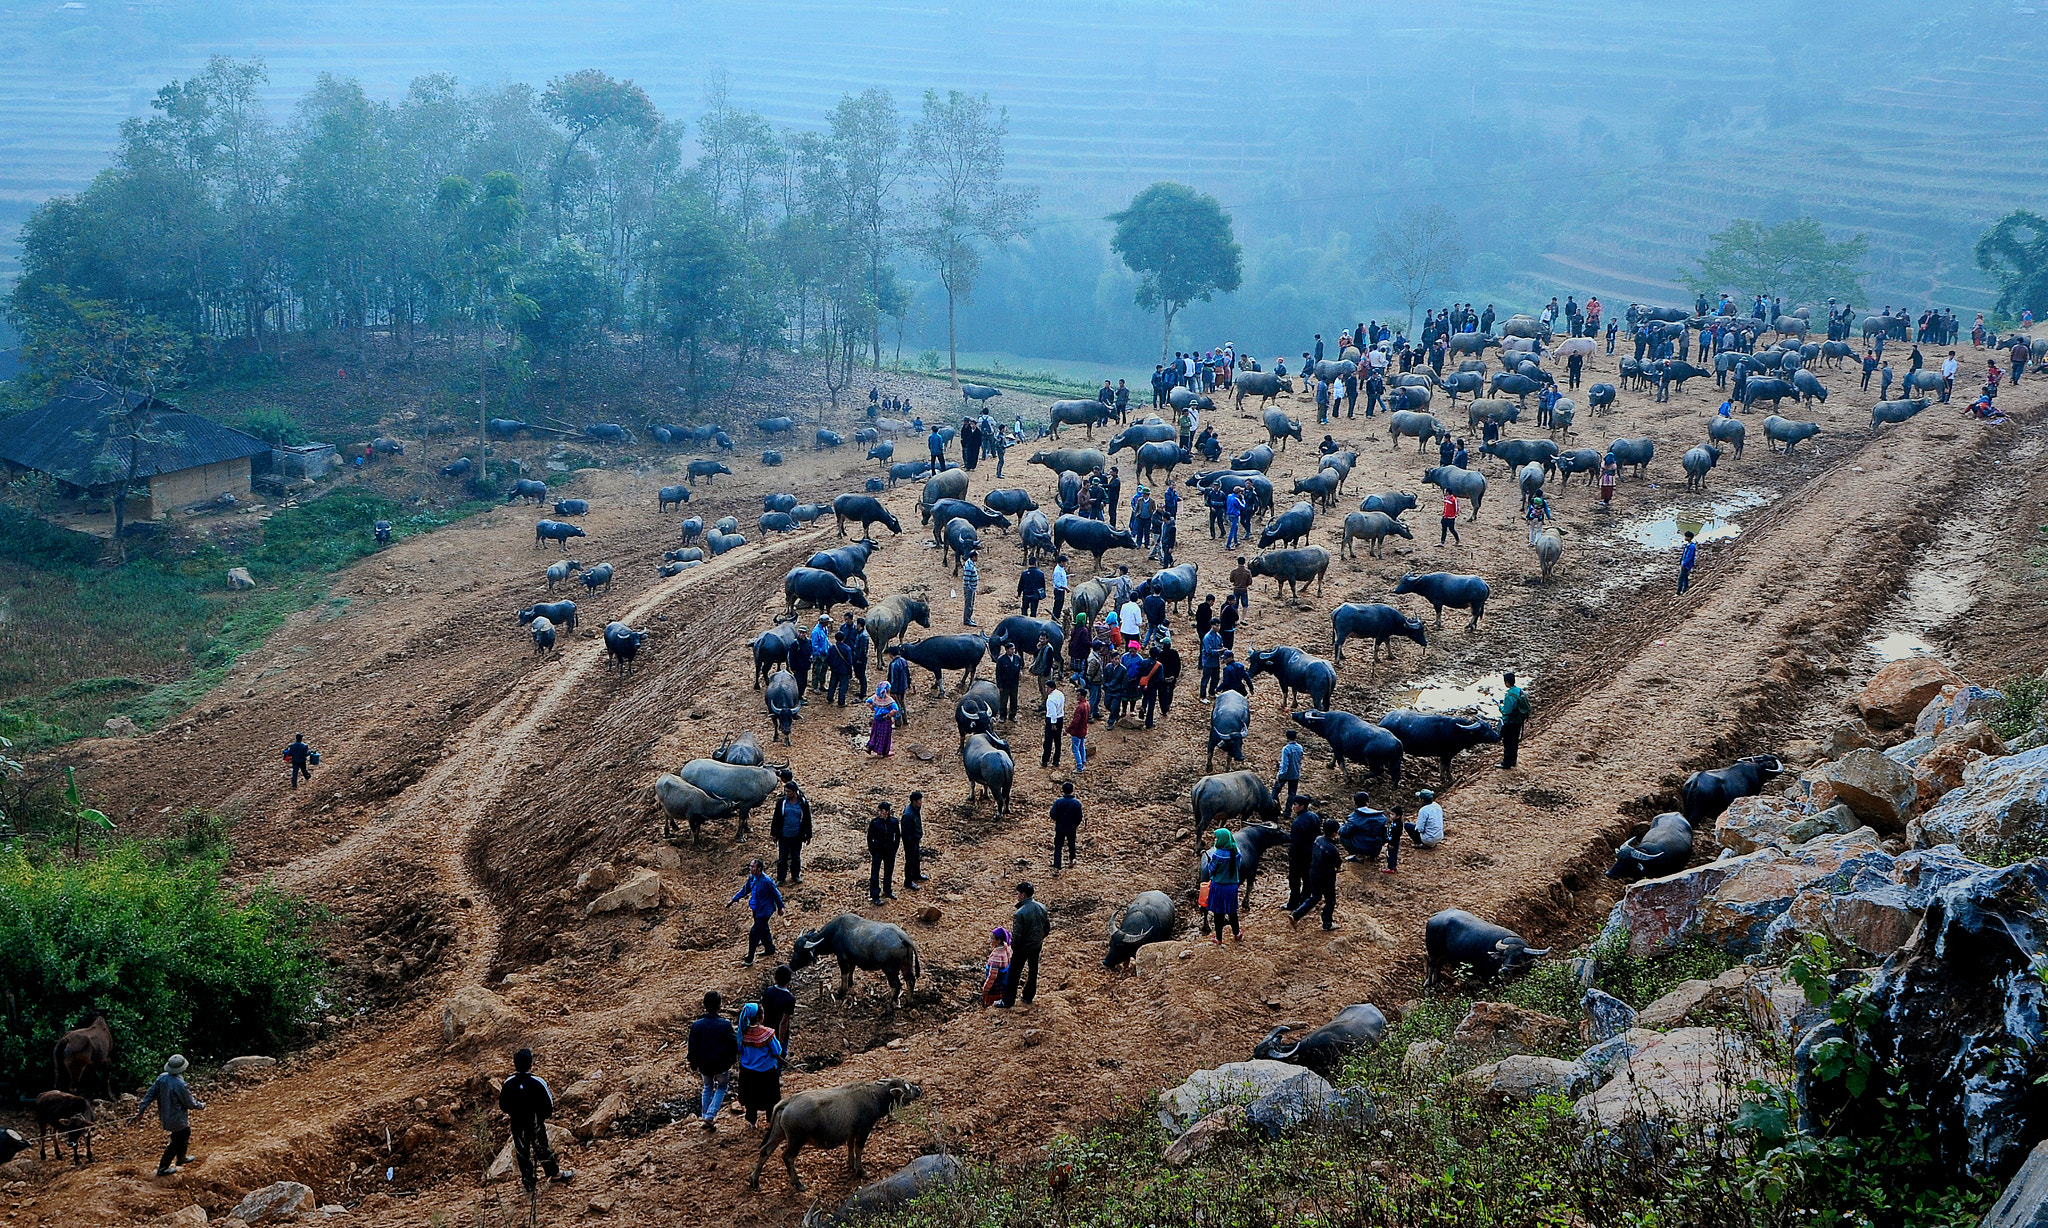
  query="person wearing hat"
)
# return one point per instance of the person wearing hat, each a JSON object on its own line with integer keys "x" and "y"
{"x": 1301, "y": 839}
{"x": 526, "y": 1100}
{"x": 882, "y": 711}
{"x": 1427, "y": 831}
{"x": 1028, "y": 928}
{"x": 1220, "y": 871}
{"x": 174, "y": 1101}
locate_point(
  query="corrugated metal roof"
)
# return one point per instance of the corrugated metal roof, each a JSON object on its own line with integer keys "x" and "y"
{"x": 67, "y": 437}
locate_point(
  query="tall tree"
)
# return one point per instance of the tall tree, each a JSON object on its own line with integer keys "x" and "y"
{"x": 962, "y": 203}
{"x": 2015, "y": 253}
{"x": 582, "y": 102}
{"x": 867, "y": 136}
{"x": 1418, "y": 253}
{"x": 482, "y": 228}
{"x": 1792, "y": 260}
{"x": 700, "y": 275}
{"x": 1180, "y": 244}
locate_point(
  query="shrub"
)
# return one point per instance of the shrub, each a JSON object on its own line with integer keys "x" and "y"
{"x": 2022, "y": 710}
{"x": 148, "y": 937}
{"x": 273, "y": 426}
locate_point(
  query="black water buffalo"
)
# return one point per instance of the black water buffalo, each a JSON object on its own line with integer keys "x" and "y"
{"x": 721, "y": 541}
{"x": 1082, "y": 461}
{"x": 781, "y": 501}
{"x": 884, "y": 451}
{"x": 1424, "y": 427}
{"x": 1261, "y": 384}
{"x": 1280, "y": 428}
{"x": 560, "y": 613}
{"x": 688, "y": 555}
{"x": 1811, "y": 389}
{"x": 952, "y": 484}
{"x": 1697, "y": 461}
{"x": 744, "y": 749}
{"x": 1773, "y": 390}
{"x": 1894, "y": 411}
{"x": 827, "y": 439}
{"x": 1600, "y": 396}
{"x": 1520, "y": 452}
{"x": 771, "y": 648}
{"x": 1486, "y": 409}
{"x": 1514, "y": 384}
{"x": 610, "y": 432}
{"x": 1373, "y": 528}
{"x": 871, "y": 946}
{"x": 784, "y": 698}
{"x": 960, "y": 509}
{"x": 1229, "y": 717}
{"x": 1174, "y": 585}
{"x": 706, "y": 469}
{"x": 1011, "y": 501}
{"x": 1085, "y": 414}
{"x": 889, "y": 617}
{"x": 864, "y": 510}
{"x": 1380, "y": 623}
{"x": 776, "y": 522}
{"x": 1090, "y": 536}
{"x": 1293, "y": 568}
{"x": 672, "y": 496}
{"x": 1728, "y": 431}
{"x": 1256, "y": 459}
{"x": 1705, "y": 795}
{"x": 939, "y": 653}
{"x": 744, "y": 786}
{"x": 1140, "y": 434}
{"x": 976, "y": 711}
{"x": 560, "y": 571}
{"x": 1322, "y": 488}
{"x": 1166, "y": 455}
{"x": 1633, "y": 453}
{"x": 598, "y": 577}
{"x": 527, "y": 488}
{"x": 979, "y": 392}
{"x": 572, "y": 507}
{"x": 505, "y": 428}
{"x": 456, "y": 468}
{"x": 1392, "y": 503}
{"x": 1455, "y": 938}
{"x": 778, "y": 425}
{"x": 1353, "y": 739}
{"x": 849, "y": 563}
{"x": 1225, "y": 799}
{"x": 1182, "y": 398}
{"x": 903, "y": 471}
{"x": 1787, "y": 432}
{"x": 1324, "y": 1050}
{"x": 1663, "y": 849}
{"x": 621, "y": 645}
{"x": 1312, "y": 677}
{"x": 543, "y": 636}
{"x": 1582, "y": 460}
{"x": 830, "y": 1116}
{"x": 814, "y": 586}
{"x": 684, "y": 802}
{"x": 1147, "y": 919}
{"x": 986, "y": 760}
{"x": 556, "y": 531}
{"x": 1290, "y": 526}
{"x": 693, "y": 528}
{"x": 1441, "y": 588}
{"x": 1432, "y": 735}
{"x": 1034, "y": 533}
{"x": 1469, "y": 382}
{"x": 1023, "y": 631}
{"x": 896, "y": 1190}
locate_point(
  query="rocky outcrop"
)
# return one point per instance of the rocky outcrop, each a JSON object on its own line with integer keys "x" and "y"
{"x": 2000, "y": 807}
{"x": 2024, "y": 1204}
{"x": 1957, "y": 704}
{"x": 1524, "y": 1077}
{"x": 474, "y": 1015}
{"x": 1880, "y": 791}
{"x": 1208, "y": 1090}
{"x": 1304, "y": 1100}
{"x": 1500, "y": 1028}
{"x": 1898, "y": 692}
{"x": 1606, "y": 1015}
{"x": 281, "y": 1201}
{"x": 1698, "y": 1000}
{"x": 638, "y": 893}
{"x": 1692, "y": 1075}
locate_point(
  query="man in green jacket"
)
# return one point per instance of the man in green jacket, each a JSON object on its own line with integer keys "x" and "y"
{"x": 1514, "y": 709}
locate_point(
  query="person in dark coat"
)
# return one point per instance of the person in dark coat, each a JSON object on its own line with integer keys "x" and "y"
{"x": 1324, "y": 861}
{"x": 1066, "y": 824}
{"x": 911, "y": 825}
{"x": 299, "y": 755}
{"x": 792, "y": 830}
{"x": 1028, "y": 929}
{"x": 526, "y": 1100}
{"x": 714, "y": 1047}
{"x": 885, "y": 835}
{"x": 763, "y": 902}
{"x": 800, "y": 662}
{"x": 1030, "y": 590}
{"x": 1009, "y": 673}
{"x": 778, "y": 1005}
{"x": 1301, "y": 840}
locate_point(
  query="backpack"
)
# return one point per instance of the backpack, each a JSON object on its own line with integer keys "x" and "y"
{"x": 1519, "y": 709}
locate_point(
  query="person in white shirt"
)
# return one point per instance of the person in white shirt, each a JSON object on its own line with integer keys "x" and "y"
{"x": 1949, "y": 367}
{"x": 1427, "y": 831}
{"x": 1059, "y": 586}
{"x": 1055, "y": 721}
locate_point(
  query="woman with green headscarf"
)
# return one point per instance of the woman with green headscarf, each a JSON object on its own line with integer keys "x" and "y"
{"x": 760, "y": 1063}
{"x": 1220, "y": 871}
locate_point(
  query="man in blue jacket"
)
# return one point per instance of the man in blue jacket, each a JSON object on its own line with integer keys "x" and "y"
{"x": 764, "y": 901}
{"x": 714, "y": 1047}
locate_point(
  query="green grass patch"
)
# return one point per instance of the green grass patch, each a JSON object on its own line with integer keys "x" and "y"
{"x": 2024, "y": 696}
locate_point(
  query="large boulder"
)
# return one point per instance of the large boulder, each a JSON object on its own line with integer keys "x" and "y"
{"x": 474, "y": 1015}
{"x": 1606, "y": 1015}
{"x": 1657, "y": 913}
{"x": 1962, "y": 1015}
{"x": 1897, "y": 693}
{"x": 1692, "y": 1075}
{"x": 1947, "y": 763}
{"x": 1956, "y": 705}
{"x": 1503, "y": 1028}
{"x": 1880, "y": 791}
{"x": 1731, "y": 902}
{"x": 1203, "y": 1137}
{"x": 601, "y": 1117}
{"x": 279, "y": 1201}
{"x": 1751, "y": 823}
{"x": 640, "y": 892}
{"x": 1777, "y": 1006}
{"x": 1524, "y": 1076}
{"x": 1304, "y": 1100}
{"x": 1699, "y": 1000}
{"x": 2024, "y": 1204}
{"x": 1602, "y": 1060}
{"x": 2001, "y": 807}
{"x": 1836, "y": 820}
{"x": 1208, "y": 1090}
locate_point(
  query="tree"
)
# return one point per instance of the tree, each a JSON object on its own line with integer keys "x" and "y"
{"x": 583, "y": 102}
{"x": 2015, "y": 253}
{"x": 482, "y": 228}
{"x": 957, "y": 147}
{"x": 1180, "y": 244}
{"x": 1418, "y": 253}
{"x": 567, "y": 290}
{"x": 867, "y": 136}
{"x": 700, "y": 274}
{"x": 1792, "y": 260}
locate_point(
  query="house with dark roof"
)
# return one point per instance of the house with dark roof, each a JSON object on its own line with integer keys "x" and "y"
{"x": 79, "y": 438}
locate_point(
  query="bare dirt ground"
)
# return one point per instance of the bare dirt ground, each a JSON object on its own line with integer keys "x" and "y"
{"x": 467, "y": 784}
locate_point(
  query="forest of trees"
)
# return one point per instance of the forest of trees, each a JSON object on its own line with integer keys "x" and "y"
{"x": 532, "y": 226}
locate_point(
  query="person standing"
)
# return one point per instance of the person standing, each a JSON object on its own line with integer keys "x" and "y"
{"x": 1514, "y": 712}
{"x": 1029, "y": 926}
{"x": 1233, "y": 508}
{"x": 1949, "y": 367}
{"x": 1686, "y": 559}
{"x": 1325, "y": 859}
{"x": 821, "y": 650}
{"x": 1220, "y": 871}
{"x": 800, "y": 663}
{"x": 899, "y": 684}
{"x": 792, "y": 832}
{"x": 1055, "y": 718}
{"x": 1427, "y": 831}
{"x": 882, "y": 713}
{"x": 1289, "y": 773}
{"x": 996, "y": 968}
{"x": 1059, "y": 585}
{"x": 970, "y": 581}
{"x": 175, "y": 1103}
{"x": 839, "y": 670}
{"x": 1869, "y": 368}
{"x": 1077, "y": 731}
{"x": 858, "y": 648}
{"x": 1009, "y": 672}
{"x": 763, "y": 902}
{"x": 911, "y": 825}
{"x": 1045, "y": 664}
{"x": 714, "y": 1047}
{"x": 1164, "y": 677}
{"x": 778, "y": 1006}
{"x": 1884, "y": 380}
{"x": 1113, "y": 494}
{"x": 970, "y": 444}
{"x": 1610, "y": 469}
{"x": 300, "y": 756}
{"x": 1241, "y": 584}
{"x": 1030, "y": 590}
{"x": 1301, "y": 839}
{"x": 885, "y": 835}
{"x": 1449, "y": 527}
{"x": 937, "y": 443}
{"x": 525, "y": 1099}
{"x": 760, "y": 1063}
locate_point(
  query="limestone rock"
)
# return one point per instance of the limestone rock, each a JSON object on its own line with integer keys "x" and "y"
{"x": 602, "y": 1117}
{"x": 1296, "y": 1102}
{"x": 1751, "y": 823}
{"x": 120, "y": 727}
{"x": 1421, "y": 1057}
{"x": 2001, "y": 807}
{"x": 600, "y": 877}
{"x": 507, "y": 1165}
{"x": 1606, "y": 1015}
{"x": 1230, "y": 1083}
{"x": 1880, "y": 791}
{"x": 474, "y": 1015}
{"x": 2024, "y": 1204}
{"x": 239, "y": 578}
{"x": 1504, "y": 1028}
{"x": 185, "y": 1217}
{"x": 1202, "y": 1137}
{"x": 253, "y": 1068}
{"x": 923, "y": 1173}
{"x": 1722, "y": 995}
{"x": 1776, "y": 1005}
{"x": 1940, "y": 770}
{"x": 638, "y": 893}
{"x": 273, "y": 1202}
{"x": 1691, "y": 1075}
{"x": 1525, "y": 1076}
{"x": 1602, "y": 1060}
{"x": 1957, "y": 705}
{"x": 1852, "y": 734}
{"x": 583, "y": 1091}
{"x": 1909, "y": 751}
{"x": 1656, "y": 913}
{"x": 1836, "y": 820}
{"x": 1897, "y": 693}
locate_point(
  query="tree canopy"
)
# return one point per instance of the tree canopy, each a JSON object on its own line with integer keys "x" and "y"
{"x": 1793, "y": 260}
{"x": 1418, "y": 253}
{"x": 1181, "y": 245}
{"x": 2015, "y": 253}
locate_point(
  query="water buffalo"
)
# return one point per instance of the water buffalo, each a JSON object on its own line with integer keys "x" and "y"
{"x": 693, "y": 528}
{"x": 1488, "y": 410}
{"x": 781, "y": 501}
{"x": 884, "y": 452}
{"x": 1183, "y": 398}
{"x": 1293, "y": 568}
{"x": 1464, "y": 483}
{"x": 88, "y": 1049}
{"x": 720, "y": 542}
{"x": 1787, "y": 432}
{"x": 1894, "y": 411}
{"x": 1773, "y": 390}
{"x": 952, "y": 484}
{"x": 621, "y": 645}
{"x": 1261, "y": 384}
{"x": 976, "y": 711}
{"x": 864, "y": 510}
{"x": 1290, "y": 526}
{"x": 1663, "y": 849}
{"x": 559, "y": 572}
{"x": 1174, "y": 585}
{"x": 1470, "y": 343}
{"x": 827, "y": 439}
{"x": 1442, "y": 588}
{"x": 684, "y": 802}
{"x": 1393, "y": 503}
{"x": 960, "y": 509}
{"x": 1280, "y": 428}
{"x": 784, "y": 698}
{"x": 1578, "y": 460}
{"x": 1549, "y": 547}
{"x": 456, "y": 468}
{"x": 1087, "y": 414}
{"x": 598, "y": 577}
{"x": 1225, "y": 799}
{"x": 672, "y": 496}
{"x": 556, "y": 531}
{"x": 1297, "y": 671}
{"x": 1380, "y": 623}
{"x": 1139, "y": 434}
{"x": 689, "y": 555}
{"x": 830, "y": 1116}
{"x": 849, "y": 563}
{"x": 1023, "y": 631}
{"x": 1408, "y": 399}
{"x": 1455, "y": 938}
{"x": 1011, "y": 501}
{"x": 1089, "y": 598}
{"x": 979, "y": 392}
{"x": 1322, "y": 487}
{"x": 956, "y": 540}
{"x": 986, "y": 760}
{"x": 1167, "y": 455}
{"x": 939, "y": 653}
{"x": 776, "y": 522}
{"x": 527, "y": 488}
{"x": 814, "y": 586}
{"x": 903, "y": 471}
{"x": 1811, "y": 389}
{"x": 1833, "y": 352}
{"x": 889, "y": 617}
{"x": 1254, "y": 459}
{"x": 1916, "y": 381}
{"x": 1034, "y": 533}
{"x": 1697, "y": 461}
{"x": 1600, "y": 396}
{"x": 781, "y": 424}
{"x": 871, "y": 946}
{"x": 1730, "y": 431}
{"x": 1705, "y": 795}
{"x": 1469, "y": 382}
{"x": 1424, "y": 427}
{"x": 1353, "y": 739}
{"x": 1229, "y": 717}
{"x": 744, "y": 786}
{"x": 1519, "y": 452}
{"x": 1432, "y": 735}
{"x": 1530, "y": 480}
{"x": 1147, "y": 919}
{"x": 505, "y": 428}
{"x": 560, "y": 613}
{"x": 1324, "y": 1050}
{"x": 1094, "y": 537}
{"x": 706, "y": 469}
{"x": 1633, "y": 453}
{"x": 1516, "y": 385}
{"x": 1082, "y": 461}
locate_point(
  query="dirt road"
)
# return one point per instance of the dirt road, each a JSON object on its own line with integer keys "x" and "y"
{"x": 466, "y": 785}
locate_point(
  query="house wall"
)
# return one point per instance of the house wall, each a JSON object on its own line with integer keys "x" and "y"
{"x": 171, "y": 491}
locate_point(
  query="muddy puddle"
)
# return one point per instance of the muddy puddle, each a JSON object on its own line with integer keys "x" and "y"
{"x": 1718, "y": 521}
{"x": 1449, "y": 694}
{"x": 1945, "y": 584}
{"x": 1899, "y": 645}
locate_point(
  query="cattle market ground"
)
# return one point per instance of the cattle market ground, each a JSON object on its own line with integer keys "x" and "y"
{"x": 466, "y": 785}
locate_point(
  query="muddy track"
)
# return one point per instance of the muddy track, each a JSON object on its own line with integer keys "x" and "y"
{"x": 506, "y": 777}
